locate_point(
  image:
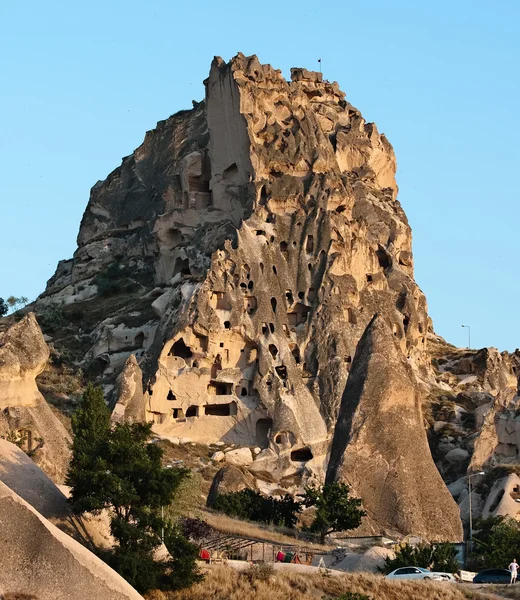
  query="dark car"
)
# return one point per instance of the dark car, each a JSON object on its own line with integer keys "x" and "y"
{"x": 493, "y": 576}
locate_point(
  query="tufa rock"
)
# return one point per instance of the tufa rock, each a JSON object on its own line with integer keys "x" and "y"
{"x": 25, "y": 416}
{"x": 380, "y": 446}
{"x": 228, "y": 479}
{"x": 130, "y": 406}
{"x": 264, "y": 231}
{"x": 241, "y": 457}
{"x": 41, "y": 560}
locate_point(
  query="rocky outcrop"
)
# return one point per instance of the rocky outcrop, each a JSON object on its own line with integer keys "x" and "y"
{"x": 39, "y": 559}
{"x": 474, "y": 417}
{"x": 23, "y": 356}
{"x": 380, "y": 447}
{"x": 25, "y": 416}
{"x": 264, "y": 232}
{"x": 503, "y": 498}
{"x": 130, "y": 405}
{"x": 230, "y": 479}
{"x": 23, "y": 477}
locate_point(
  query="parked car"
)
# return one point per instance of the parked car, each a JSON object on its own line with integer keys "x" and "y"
{"x": 447, "y": 577}
{"x": 493, "y": 576}
{"x": 415, "y": 573}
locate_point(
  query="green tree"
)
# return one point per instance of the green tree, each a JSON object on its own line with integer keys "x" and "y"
{"x": 335, "y": 509}
{"x": 437, "y": 556}
{"x": 496, "y": 542}
{"x": 252, "y": 505}
{"x": 117, "y": 468}
{"x": 3, "y": 307}
{"x": 15, "y": 303}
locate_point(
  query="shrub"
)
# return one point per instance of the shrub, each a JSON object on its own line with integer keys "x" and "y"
{"x": 437, "y": 556}
{"x": 51, "y": 317}
{"x": 114, "y": 280}
{"x": 251, "y": 505}
{"x": 260, "y": 572}
{"x": 496, "y": 541}
{"x": 194, "y": 529}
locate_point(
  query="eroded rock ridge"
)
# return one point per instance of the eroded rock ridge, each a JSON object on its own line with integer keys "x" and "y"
{"x": 228, "y": 269}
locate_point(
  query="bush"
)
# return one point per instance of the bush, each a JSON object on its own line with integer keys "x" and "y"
{"x": 437, "y": 556}
{"x": 194, "y": 529}
{"x": 250, "y": 505}
{"x": 260, "y": 572}
{"x": 114, "y": 280}
{"x": 51, "y": 317}
{"x": 495, "y": 542}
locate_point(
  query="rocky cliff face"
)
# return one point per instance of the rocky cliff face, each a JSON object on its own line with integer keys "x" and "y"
{"x": 233, "y": 262}
{"x": 380, "y": 446}
{"x": 25, "y": 417}
{"x": 472, "y": 405}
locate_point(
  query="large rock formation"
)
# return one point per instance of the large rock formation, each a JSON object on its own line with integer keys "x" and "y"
{"x": 239, "y": 255}
{"x": 23, "y": 477}
{"x": 474, "y": 423}
{"x": 39, "y": 559}
{"x": 25, "y": 416}
{"x": 380, "y": 446}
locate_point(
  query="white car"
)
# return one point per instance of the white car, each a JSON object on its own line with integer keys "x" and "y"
{"x": 416, "y": 573}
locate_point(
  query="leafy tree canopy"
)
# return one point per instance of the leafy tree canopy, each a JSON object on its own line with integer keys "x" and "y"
{"x": 437, "y": 556}
{"x": 119, "y": 469}
{"x": 496, "y": 542}
{"x": 335, "y": 509}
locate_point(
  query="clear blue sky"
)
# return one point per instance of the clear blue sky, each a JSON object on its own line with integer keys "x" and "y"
{"x": 82, "y": 82}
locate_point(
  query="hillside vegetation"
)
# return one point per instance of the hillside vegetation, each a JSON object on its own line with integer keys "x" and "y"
{"x": 223, "y": 583}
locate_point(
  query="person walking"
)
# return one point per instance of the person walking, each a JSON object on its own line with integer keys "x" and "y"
{"x": 513, "y": 567}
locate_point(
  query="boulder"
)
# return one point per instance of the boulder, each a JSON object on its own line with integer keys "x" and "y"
{"x": 229, "y": 479}
{"x": 457, "y": 455}
{"x": 19, "y": 473}
{"x": 25, "y": 416}
{"x": 380, "y": 446}
{"x": 240, "y": 457}
{"x": 39, "y": 559}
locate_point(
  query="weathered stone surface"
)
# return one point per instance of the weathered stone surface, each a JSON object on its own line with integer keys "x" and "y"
{"x": 130, "y": 405}
{"x": 457, "y": 455}
{"x": 380, "y": 446}
{"x": 19, "y": 473}
{"x": 501, "y": 501}
{"x": 241, "y": 457}
{"x": 25, "y": 416}
{"x": 23, "y": 356}
{"x": 39, "y": 559}
{"x": 230, "y": 478}
{"x": 264, "y": 228}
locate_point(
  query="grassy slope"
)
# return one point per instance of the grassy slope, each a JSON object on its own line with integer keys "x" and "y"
{"x": 223, "y": 583}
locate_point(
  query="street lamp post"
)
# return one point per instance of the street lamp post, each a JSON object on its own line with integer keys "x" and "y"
{"x": 470, "y": 510}
{"x": 469, "y": 335}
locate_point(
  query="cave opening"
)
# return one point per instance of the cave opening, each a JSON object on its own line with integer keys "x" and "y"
{"x": 180, "y": 349}
{"x": 221, "y": 410}
{"x": 301, "y": 455}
